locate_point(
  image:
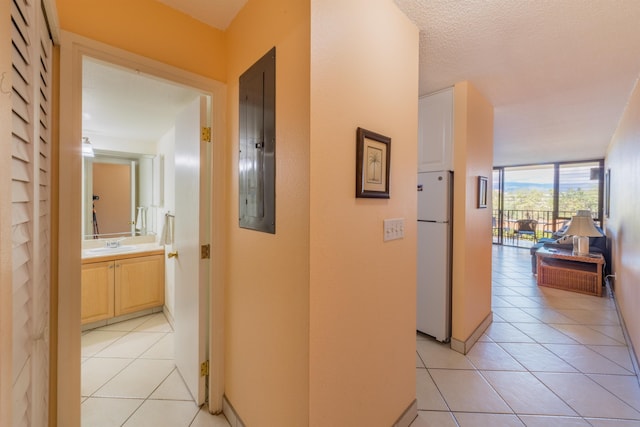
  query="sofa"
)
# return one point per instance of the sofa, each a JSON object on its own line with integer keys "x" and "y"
{"x": 596, "y": 245}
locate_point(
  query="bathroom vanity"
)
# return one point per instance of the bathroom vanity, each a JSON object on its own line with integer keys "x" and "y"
{"x": 121, "y": 281}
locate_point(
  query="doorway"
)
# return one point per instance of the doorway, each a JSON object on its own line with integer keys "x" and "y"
{"x": 127, "y": 115}
{"x": 73, "y": 50}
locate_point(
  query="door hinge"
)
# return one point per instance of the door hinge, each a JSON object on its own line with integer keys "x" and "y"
{"x": 204, "y": 368}
{"x": 205, "y": 251}
{"x": 206, "y": 134}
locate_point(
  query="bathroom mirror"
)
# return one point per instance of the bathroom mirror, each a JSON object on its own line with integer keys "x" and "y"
{"x": 117, "y": 191}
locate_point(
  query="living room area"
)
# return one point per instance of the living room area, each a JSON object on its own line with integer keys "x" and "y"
{"x": 536, "y": 206}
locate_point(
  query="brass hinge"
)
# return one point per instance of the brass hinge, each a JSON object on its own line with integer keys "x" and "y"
{"x": 205, "y": 134}
{"x": 205, "y": 251}
{"x": 204, "y": 368}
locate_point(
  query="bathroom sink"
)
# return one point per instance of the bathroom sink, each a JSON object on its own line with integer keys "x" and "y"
{"x": 123, "y": 248}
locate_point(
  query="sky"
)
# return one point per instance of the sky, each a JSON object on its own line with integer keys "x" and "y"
{"x": 542, "y": 176}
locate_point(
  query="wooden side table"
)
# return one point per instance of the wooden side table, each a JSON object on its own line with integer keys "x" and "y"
{"x": 559, "y": 268}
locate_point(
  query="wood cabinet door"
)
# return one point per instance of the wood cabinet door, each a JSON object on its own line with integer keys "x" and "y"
{"x": 435, "y": 131}
{"x": 97, "y": 291}
{"x": 139, "y": 283}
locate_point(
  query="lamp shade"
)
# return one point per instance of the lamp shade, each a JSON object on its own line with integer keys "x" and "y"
{"x": 582, "y": 225}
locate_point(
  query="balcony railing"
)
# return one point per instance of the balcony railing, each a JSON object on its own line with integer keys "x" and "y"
{"x": 510, "y": 226}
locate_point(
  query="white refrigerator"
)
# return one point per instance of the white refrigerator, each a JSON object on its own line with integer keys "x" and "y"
{"x": 434, "y": 254}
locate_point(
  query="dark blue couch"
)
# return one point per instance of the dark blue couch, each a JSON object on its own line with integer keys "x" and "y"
{"x": 596, "y": 245}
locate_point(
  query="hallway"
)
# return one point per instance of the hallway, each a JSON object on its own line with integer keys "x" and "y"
{"x": 550, "y": 358}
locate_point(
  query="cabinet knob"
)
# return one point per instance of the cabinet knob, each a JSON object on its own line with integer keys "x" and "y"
{"x": 172, "y": 254}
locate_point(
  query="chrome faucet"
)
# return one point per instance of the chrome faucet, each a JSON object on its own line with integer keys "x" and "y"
{"x": 114, "y": 243}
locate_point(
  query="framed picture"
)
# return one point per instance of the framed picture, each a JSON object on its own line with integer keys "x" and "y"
{"x": 482, "y": 192}
{"x": 373, "y": 160}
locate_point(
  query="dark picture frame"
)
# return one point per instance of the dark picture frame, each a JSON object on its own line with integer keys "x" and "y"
{"x": 482, "y": 191}
{"x": 373, "y": 162}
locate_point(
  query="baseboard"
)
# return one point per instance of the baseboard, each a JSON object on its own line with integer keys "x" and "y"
{"x": 230, "y": 413}
{"x": 464, "y": 346}
{"x": 121, "y": 318}
{"x": 234, "y": 420}
{"x": 632, "y": 352}
{"x": 169, "y": 316}
{"x": 408, "y": 415}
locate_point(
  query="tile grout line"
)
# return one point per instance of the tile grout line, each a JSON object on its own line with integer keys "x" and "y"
{"x": 578, "y": 305}
{"x": 148, "y": 396}
{"x": 139, "y": 357}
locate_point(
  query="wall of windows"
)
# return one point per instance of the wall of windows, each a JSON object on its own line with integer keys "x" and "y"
{"x": 543, "y": 197}
{"x": 579, "y": 187}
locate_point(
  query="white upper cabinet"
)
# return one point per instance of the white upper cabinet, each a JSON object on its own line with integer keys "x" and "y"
{"x": 435, "y": 131}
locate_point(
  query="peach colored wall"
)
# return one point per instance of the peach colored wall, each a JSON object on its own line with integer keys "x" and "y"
{"x": 267, "y": 294}
{"x": 369, "y": 81}
{"x": 623, "y": 227}
{"x": 473, "y": 157}
{"x": 148, "y": 28}
{"x": 364, "y": 73}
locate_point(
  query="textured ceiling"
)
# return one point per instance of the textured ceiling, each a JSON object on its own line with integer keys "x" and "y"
{"x": 558, "y": 73}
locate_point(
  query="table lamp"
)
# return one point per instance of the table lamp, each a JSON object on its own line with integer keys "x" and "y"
{"x": 581, "y": 228}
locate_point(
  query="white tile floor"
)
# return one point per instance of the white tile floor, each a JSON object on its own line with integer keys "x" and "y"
{"x": 551, "y": 358}
{"x": 129, "y": 378}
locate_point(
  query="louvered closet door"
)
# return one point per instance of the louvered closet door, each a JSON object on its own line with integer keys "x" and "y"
{"x": 31, "y": 58}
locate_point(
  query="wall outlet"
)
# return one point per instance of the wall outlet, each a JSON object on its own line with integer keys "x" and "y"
{"x": 393, "y": 229}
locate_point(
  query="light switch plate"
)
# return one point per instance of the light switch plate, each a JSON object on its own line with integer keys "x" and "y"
{"x": 393, "y": 229}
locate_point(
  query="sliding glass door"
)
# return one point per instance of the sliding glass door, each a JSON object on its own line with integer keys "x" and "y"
{"x": 533, "y": 201}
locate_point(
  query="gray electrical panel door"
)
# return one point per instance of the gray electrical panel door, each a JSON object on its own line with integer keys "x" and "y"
{"x": 257, "y": 159}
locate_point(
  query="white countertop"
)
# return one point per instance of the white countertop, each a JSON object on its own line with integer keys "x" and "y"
{"x": 123, "y": 249}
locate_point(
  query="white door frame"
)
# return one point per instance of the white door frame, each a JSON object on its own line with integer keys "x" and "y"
{"x": 72, "y": 49}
